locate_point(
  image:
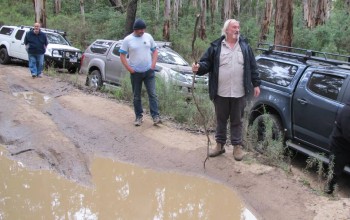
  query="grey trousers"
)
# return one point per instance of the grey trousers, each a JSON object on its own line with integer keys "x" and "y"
{"x": 233, "y": 109}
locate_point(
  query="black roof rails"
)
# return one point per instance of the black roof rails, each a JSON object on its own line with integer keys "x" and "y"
{"x": 304, "y": 54}
{"x": 47, "y": 30}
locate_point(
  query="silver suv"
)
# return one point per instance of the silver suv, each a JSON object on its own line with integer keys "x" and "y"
{"x": 101, "y": 63}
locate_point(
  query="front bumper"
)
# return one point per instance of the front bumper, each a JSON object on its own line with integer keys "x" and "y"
{"x": 65, "y": 63}
{"x": 63, "y": 58}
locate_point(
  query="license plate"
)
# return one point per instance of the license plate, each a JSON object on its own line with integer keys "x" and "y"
{"x": 73, "y": 60}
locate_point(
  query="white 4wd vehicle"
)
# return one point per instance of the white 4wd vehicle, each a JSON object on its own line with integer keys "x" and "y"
{"x": 59, "y": 53}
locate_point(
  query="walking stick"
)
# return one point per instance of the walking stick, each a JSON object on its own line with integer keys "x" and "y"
{"x": 192, "y": 90}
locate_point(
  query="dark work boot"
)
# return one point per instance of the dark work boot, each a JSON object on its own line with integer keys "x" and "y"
{"x": 219, "y": 149}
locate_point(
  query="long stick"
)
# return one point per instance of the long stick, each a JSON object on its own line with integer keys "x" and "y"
{"x": 192, "y": 90}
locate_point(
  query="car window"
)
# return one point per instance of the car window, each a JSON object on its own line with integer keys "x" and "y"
{"x": 56, "y": 39}
{"x": 116, "y": 50}
{"x": 6, "y": 31}
{"x": 276, "y": 72}
{"x": 100, "y": 47}
{"x": 19, "y": 34}
{"x": 170, "y": 57}
{"x": 326, "y": 85}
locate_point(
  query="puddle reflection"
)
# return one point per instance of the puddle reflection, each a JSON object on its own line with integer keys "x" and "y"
{"x": 33, "y": 98}
{"x": 121, "y": 191}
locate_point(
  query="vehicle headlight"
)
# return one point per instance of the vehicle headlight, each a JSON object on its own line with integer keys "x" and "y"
{"x": 79, "y": 55}
{"x": 55, "y": 53}
{"x": 180, "y": 77}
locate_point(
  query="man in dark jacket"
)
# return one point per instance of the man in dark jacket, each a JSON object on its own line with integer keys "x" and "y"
{"x": 340, "y": 146}
{"x": 36, "y": 43}
{"x": 231, "y": 65}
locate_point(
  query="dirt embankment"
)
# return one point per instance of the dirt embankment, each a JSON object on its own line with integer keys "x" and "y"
{"x": 70, "y": 126}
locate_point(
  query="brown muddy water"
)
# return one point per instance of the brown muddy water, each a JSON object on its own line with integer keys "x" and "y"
{"x": 120, "y": 191}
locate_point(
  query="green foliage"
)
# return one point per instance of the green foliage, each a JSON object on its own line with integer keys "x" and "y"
{"x": 103, "y": 21}
{"x": 271, "y": 146}
{"x": 324, "y": 174}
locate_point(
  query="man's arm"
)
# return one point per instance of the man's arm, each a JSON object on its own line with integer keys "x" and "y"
{"x": 154, "y": 59}
{"x": 125, "y": 63}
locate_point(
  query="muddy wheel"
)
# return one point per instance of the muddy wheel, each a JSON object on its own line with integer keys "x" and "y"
{"x": 267, "y": 126}
{"x": 94, "y": 80}
{"x": 4, "y": 57}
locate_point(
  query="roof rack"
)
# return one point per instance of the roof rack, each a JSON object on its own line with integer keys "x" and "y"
{"x": 304, "y": 54}
{"x": 63, "y": 33}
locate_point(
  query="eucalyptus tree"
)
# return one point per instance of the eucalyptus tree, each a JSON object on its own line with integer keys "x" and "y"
{"x": 40, "y": 11}
{"x": 266, "y": 20}
{"x": 283, "y": 22}
{"x": 316, "y": 12}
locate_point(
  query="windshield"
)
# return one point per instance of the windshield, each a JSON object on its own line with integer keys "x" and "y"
{"x": 170, "y": 57}
{"x": 56, "y": 39}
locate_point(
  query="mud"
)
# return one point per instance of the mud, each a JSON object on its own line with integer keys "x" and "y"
{"x": 65, "y": 126}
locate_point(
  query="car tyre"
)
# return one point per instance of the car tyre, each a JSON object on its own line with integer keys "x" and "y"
{"x": 260, "y": 124}
{"x": 4, "y": 57}
{"x": 94, "y": 80}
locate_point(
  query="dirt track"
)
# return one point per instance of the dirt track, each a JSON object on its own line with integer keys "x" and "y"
{"x": 71, "y": 126}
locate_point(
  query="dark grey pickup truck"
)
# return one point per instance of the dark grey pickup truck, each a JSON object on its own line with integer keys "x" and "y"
{"x": 302, "y": 91}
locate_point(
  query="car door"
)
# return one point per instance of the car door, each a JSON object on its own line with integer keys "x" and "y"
{"x": 316, "y": 101}
{"x": 17, "y": 45}
{"x": 115, "y": 70}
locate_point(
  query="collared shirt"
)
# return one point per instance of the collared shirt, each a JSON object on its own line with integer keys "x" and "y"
{"x": 36, "y": 43}
{"x": 231, "y": 71}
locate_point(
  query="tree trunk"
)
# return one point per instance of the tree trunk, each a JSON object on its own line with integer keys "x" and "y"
{"x": 265, "y": 23}
{"x": 321, "y": 12}
{"x": 82, "y": 12}
{"x": 308, "y": 13}
{"x": 130, "y": 16}
{"x": 202, "y": 27}
{"x": 166, "y": 25}
{"x": 57, "y": 6}
{"x": 284, "y": 22}
{"x": 226, "y": 8}
{"x": 40, "y": 12}
{"x": 117, "y": 4}
{"x": 213, "y": 8}
{"x": 316, "y": 12}
{"x": 236, "y": 7}
{"x": 175, "y": 16}
{"x": 83, "y": 29}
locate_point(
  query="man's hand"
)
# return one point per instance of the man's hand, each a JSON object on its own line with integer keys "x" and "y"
{"x": 256, "y": 91}
{"x": 195, "y": 67}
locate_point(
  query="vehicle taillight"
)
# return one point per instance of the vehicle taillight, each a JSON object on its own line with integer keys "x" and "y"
{"x": 82, "y": 60}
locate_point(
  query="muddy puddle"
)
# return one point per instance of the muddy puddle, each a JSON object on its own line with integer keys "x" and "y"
{"x": 33, "y": 98}
{"x": 120, "y": 191}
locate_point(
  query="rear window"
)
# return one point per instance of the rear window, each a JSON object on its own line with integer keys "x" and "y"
{"x": 100, "y": 47}
{"x": 6, "y": 31}
{"x": 276, "y": 72}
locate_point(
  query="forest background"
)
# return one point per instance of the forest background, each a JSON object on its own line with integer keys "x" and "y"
{"x": 321, "y": 25}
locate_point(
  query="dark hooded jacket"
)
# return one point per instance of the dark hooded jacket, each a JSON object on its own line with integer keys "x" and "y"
{"x": 210, "y": 61}
{"x": 340, "y": 140}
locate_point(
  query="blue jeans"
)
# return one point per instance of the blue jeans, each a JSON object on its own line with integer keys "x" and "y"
{"x": 148, "y": 78}
{"x": 36, "y": 64}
